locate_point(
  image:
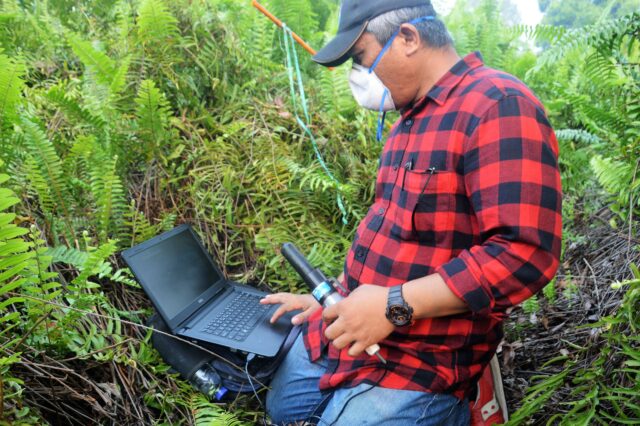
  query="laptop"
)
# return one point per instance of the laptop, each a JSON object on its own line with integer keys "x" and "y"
{"x": 196, "y": 301}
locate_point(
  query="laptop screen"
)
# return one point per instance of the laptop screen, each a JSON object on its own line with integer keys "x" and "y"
{"x": 175, "y": 272}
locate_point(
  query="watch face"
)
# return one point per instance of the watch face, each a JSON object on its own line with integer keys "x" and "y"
{"x": 399, "y": 315}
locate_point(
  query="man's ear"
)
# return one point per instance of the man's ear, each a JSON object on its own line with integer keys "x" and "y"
{"x": 410, "y": 38}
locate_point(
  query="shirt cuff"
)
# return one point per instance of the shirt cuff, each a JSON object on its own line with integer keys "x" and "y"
{"x": 466, "y": 280}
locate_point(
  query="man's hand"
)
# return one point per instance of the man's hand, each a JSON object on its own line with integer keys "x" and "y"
{"x": 292, "y": 302}
{"x": 359, "y": 319}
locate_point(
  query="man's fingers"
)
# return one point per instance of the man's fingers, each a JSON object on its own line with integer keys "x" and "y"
{"x": 272, "y": 299}
{"x": 356, "y": 349}
{"x": 283, "y": 309}
{"x": 330, "y": 313}
{"x": 291, "y": 302}
{"x": 334, "y": 330}
{"x": 342, "y": 341}
{"x": 302, "y": 317}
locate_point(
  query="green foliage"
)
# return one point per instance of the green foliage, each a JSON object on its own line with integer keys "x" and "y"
{"x": 208, "y": 414}
{"x": 602, "y": 36}
{"x": 11, "y": 84}
{"x": 618, "y": 178}
{"x": 579, "y": 13}
{"x": 550, "y": 292}
{"x": 485, "y": 33}
{"x": 598, "y": 98}
{"x": 297, "y": 14}
{"x": 153, "y": 115}
{"x": 22, "y": 271}
{"x": 110, "y": 201}
{"x": 603, "y": 389}
{"x": 155, "y": 24}
{"x": 95, "y": 61}
{"x": 531, "y": 305}
{"x": 120, "y": 118}
{"x": 43, "y": 170}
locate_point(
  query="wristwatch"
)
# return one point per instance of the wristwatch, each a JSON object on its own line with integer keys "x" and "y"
{"x": 398, "y": 310}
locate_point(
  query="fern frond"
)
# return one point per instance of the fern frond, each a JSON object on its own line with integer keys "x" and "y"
{"x": 577, "y": 135}
{"x": 260, "y": 41}
{"x": 297, "y": 14}
{"x": 153, "y": 114}
{"x": 68, "y": 255}
{"x": 119, "y": 80}
{"x": 103, "y": 67}
{"x": 124, "y": 24}
{"x": 206, "y": 413}
{"x": 598, "y": 36}
{"x": 96, "y": 263}
{"x": 16, "y": 257}
{"x": 79, "y": 156}
{"x": 597, "y": 119}
{"x": 73, "y": 109}
{"x": 109, "y": 196}
{"x": 155, "y": 22}
{"x": 48, "y": 163}
{"x": 314, "y": 178}
{"x": 38, "y": 187}
{"x": 98, "y": 99}
{"x": 11, "y": 84}
{"x": 334, "y": 92}
{"x": 615, "y": 176}
{"x": 137, "y": 222}
{"x": 10, "y": 9}
{"x": 539, "y": 33}
{"x": 603, "y": 70}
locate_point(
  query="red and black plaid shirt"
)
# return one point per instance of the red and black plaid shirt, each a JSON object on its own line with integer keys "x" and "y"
{"x": 468, "y": 187}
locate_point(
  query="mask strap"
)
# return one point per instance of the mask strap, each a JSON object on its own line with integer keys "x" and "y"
{"x": 381, "y": 117}
{"x": 395, "y": 34}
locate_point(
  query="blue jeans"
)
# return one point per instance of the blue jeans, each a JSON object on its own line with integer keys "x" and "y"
{"x": 294, "y": 397}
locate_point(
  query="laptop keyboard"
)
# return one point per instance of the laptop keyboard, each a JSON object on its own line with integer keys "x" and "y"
{"x": 239, "y": 318}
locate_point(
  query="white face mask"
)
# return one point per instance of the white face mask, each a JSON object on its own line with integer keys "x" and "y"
{"x": 369, "y": 91}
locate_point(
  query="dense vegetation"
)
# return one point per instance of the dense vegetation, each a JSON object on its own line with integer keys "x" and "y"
{"x": 119, "y": 119}
{"x": 578, "y": 13}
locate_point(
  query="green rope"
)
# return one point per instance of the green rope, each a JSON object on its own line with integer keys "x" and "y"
{"x": 293, "y": 64}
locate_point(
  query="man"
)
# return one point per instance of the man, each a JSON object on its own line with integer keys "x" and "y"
{"x": 466, "y": 224}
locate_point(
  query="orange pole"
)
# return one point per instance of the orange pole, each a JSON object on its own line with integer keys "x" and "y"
{"x": 278, "y": 22}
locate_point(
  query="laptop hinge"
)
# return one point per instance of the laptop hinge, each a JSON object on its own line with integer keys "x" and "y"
{"x": 184, "y": 326}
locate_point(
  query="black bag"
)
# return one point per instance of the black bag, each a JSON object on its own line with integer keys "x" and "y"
{"x": 203, "y": 369}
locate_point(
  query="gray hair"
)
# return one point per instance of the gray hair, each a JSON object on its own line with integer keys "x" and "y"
{"x": 433, "y": 33}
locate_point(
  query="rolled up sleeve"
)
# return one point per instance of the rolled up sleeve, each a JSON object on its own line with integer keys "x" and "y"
{"x": 513, "y": 183}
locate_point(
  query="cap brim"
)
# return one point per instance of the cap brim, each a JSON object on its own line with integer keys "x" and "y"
{"x": 336, "y": 52}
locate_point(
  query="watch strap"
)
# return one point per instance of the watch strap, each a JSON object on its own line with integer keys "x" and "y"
{"x": 395, "y": 296}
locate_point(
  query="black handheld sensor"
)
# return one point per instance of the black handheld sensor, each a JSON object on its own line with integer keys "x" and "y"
{"x": 323, "y": 288}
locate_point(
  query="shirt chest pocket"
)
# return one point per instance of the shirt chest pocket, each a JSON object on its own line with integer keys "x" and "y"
{"x": 425, "y": 206}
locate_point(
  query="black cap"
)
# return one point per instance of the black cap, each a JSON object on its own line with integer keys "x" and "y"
{"x": 354, "y": 18}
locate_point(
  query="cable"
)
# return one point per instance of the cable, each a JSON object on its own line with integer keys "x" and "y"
{"x": 131, "y": 323}
{"x": 250, "y": 358}
{"x": 295, "y": 79}
{"x": 359, "y": 394}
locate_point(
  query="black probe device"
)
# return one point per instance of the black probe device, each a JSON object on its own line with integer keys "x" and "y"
{"x": 323, "y": 288}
